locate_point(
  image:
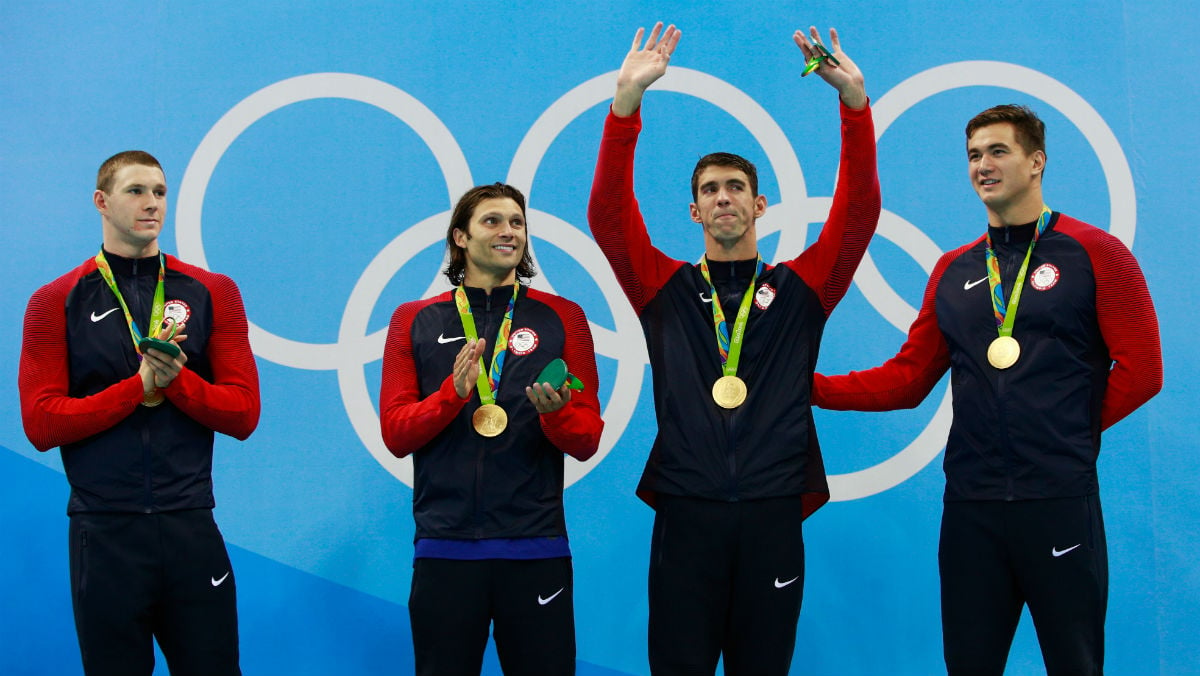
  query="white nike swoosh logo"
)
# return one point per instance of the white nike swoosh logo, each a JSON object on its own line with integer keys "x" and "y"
{"x": 544, "y": 601}
{"x": 967, "y": 286}
{"x": 706, "y": 300}
{"x": 1054, "y": 551}
{"x": 216, "y": 582}
{"x": 96, "y": 318}
{"x": 443, "y": 339}
{"x": 781, "y": 585}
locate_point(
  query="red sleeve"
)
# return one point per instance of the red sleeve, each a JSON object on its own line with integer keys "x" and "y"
{"x": 51, "y": 417}
{"x": 575, "y": 428}
{"x": 229, "y": 404}
{"x": 407, "y": 421}
{"x": 1128, "y": 324}
{"x": 904, "y": 380}
{"x": 828, "y": 265}
{"x": 616, "y": 220}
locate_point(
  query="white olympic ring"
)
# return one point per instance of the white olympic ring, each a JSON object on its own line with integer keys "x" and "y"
{"x": 258, "y": 105}
{"x": 355, "y": 348}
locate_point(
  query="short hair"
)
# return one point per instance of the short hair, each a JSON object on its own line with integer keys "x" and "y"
{"x": 460, "y": 219}
{"x": 724, "y": 160}
{"x": 1028, "y": 128}
{"x": 108, "y": 170}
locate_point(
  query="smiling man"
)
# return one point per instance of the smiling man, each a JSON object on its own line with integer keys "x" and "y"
{"x": 1050, "y": 335}
{"x": 487, "y": 430}
{"x": 733, "y": 342}
{"x": 135, "y": 419}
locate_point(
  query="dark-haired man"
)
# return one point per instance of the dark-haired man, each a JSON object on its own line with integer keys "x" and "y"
{"x": 487, "y": 439}
{"x": 135, "y": 422}
{"x": 1050, "y": 335}
{"x": 733, "y": 341}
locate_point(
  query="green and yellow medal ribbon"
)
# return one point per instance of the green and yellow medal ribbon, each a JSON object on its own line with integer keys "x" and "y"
{"x": 1006, "y": 314}
{"x": 489, "y": 377}
{"x": 730, "y": 345}
{"x": 156, "y": 308}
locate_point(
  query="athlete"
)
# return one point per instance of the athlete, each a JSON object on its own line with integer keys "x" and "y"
{"x": 733, "y": 341}
{"x": 1050, "y": 335}
{"x": 130, "y": 363}
{"x": 487, "y": 429}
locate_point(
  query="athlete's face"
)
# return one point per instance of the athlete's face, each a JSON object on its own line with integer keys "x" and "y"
{"x": 132, "y": 213}
{"x": 494, "y": 243}
{"x": 1001, "y": 172}
{"x": 725, "y": 205}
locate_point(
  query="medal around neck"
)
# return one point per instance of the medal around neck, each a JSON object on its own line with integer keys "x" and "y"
{"x": 489, "y": 420}
{"x": 1003, "y": 352}
{"x": 729, "y": 391}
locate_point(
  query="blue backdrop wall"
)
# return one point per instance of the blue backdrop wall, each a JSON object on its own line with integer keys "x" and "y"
{"x": 313, "y": 151}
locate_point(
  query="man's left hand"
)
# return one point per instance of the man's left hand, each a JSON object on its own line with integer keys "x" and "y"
{"x": 546, "y": 399}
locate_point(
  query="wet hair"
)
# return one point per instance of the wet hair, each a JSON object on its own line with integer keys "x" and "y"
{"x": 460, "y": 219}
{"x": 108, "y": 170}
{"x": 1028, "y": 128}
{"x": 724, "y": 160}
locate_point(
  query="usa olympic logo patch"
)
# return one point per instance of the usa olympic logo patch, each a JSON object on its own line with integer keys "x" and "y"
{"x": 1044, "y": 277}
{"x": 522, "y": 341}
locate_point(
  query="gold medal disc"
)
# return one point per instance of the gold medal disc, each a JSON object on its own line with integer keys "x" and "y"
{"x": 1003, "y": 352}
{"x": 729, "y": 391}
{"x": 489, "y": 420}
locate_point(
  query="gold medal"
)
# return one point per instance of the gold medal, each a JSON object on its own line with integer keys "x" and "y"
{"x": 489, "y": 420}
{"x": 1003, "y": 352}
{"x": 729, "y": 391}
{"x": 153, "y": 399}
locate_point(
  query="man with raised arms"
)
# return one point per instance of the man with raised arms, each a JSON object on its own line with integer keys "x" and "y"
{"x": 733, "y": 341}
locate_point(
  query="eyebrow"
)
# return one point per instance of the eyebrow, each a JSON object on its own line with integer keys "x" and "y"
{"x": 728, "y": 181}
{"x": 990, "y": 146}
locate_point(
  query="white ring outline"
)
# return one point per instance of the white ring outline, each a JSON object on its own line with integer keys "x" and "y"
{"x": 190, "y": 204}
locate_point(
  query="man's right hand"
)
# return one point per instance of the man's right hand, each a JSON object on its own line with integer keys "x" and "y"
{"x": 466, "y": 367}
{"x": 643, "y": 65}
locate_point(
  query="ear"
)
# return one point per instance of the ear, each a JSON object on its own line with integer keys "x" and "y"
{"x": 100, "y": 200}
{"x": 695, "y": 212}
{"x": 1039, "y": 162}
{"x": 760, "y": 206}
{"x": 461, "y": 238}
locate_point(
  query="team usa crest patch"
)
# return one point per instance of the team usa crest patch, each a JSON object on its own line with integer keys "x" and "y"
{"x": 522, "y": 341}
{"x": 764, "y": 296}
{"x": 177, "y": 310}
{"x": 1044, "y": 277}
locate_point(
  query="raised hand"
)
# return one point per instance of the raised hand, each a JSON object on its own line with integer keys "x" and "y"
{"x": 643, "y": 65}
{"x": 843, "y": 75}
{"x": 466, "y": 367}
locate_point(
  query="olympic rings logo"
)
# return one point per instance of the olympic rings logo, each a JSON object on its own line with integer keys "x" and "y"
{"x": 355, "y": 347}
